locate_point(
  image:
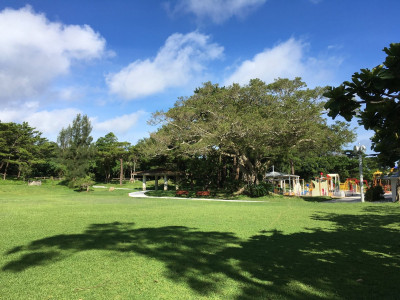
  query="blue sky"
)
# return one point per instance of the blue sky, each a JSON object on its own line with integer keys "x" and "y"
{"x": 118, "y": 61}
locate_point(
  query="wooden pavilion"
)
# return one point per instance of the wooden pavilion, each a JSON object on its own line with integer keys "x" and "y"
{"x": 157, "y": 173}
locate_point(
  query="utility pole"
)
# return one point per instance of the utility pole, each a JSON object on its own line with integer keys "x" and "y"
{"x": 360, "y": 149}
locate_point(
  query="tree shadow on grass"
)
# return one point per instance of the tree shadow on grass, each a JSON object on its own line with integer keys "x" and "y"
{"x": 357, "y": 258}
{"x": 316, "y": 198}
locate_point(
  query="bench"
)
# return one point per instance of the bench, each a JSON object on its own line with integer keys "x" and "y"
{"x": 180, "y": 193}
{"x": 203, "y": 193}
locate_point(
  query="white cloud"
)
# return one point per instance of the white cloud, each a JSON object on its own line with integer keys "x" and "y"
{"x": 35, "y": 51}
{"x": 48, "y": 122}
{"x": 51, "y": 122}
{"x": 217, "y": 10}
{"x": 118, "y": 125}
{"x": 126, "y": 127}
{"x": 182, "y": 57}
{"x": 286, "y": 60}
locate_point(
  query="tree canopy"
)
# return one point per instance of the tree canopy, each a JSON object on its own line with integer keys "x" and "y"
{"x": 21, "y": 146}
{"x": 76, "y": 150}
{"x": 373, "y": 97}
{"x": 253, "y": 125}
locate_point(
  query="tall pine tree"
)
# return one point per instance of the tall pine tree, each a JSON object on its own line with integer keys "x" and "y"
{"x": 77, "y": 151}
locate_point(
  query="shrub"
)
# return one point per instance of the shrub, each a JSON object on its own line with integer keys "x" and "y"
{"x": 374, "y": 194}
{"x": 259, "y": 190}
{"x": 81, "y": 183}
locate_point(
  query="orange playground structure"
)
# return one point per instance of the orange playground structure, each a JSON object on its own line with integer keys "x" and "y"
{"x": 384, "y": 182}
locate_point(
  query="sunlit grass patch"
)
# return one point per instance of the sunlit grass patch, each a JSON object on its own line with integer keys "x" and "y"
{"x": 62, "y": 244}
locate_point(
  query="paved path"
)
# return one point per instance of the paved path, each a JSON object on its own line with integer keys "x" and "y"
{"x": 141, "y": 194}
{"x": 357, "y": 198}
{"x": 351, "y": 199}
{"x": 104, "y": 187}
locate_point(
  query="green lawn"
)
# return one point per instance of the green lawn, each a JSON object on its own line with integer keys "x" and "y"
{"x": 59, "y": 244}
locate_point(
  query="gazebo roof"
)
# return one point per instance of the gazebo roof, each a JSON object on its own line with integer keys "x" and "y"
{"x": 157, "y": 172}
{"x": 279, "y": 175}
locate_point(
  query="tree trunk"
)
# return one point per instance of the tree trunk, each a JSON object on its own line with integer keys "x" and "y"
{"x": 107, "y": 176}
{"x": 292, "y": 167}
{"x": 398, "y": 190}
{"x": 224, "y": 174}
{"x": 5, "y": 171}
{"x": 219, "y": 171}
{"x": 132, "y": 176}
{"x": 19, "y": 169}
{"x": 237, "y": 168}
{"x": 249, "y": 170}
{"x": 134, "y": 170}
{"x": 121, "y": 171}
{"x": 240, "y": 191}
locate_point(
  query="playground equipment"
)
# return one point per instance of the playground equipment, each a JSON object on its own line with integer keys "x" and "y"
{"x": 328, "y": 185}
{"x": 379, "y": 180}
{"x": 352, "y": 186}
{"x": 288, "y": 184}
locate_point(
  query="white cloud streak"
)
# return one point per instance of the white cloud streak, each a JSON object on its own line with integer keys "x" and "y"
{"x": 218, "y": 11}
{"x": 50, "y": 122}
{"x": 35, "y": 51}
{"x": 119, "y": 125}
{"x": 286, "y": 60}
{"x": 182, "y": 57}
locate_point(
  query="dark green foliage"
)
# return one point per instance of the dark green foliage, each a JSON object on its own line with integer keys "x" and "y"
{"x": 110, "y": 156}
{"x": 374, "y": 193}
{"x": 229, "y": 136}
{"x": 105, "y": 156}
{"x": 22, "y": 148}
{"x": 259, "y": 190}
{"x": 76, "y": 149}
{"x": 373, "y": 97}
{"x": 81, "y": 183}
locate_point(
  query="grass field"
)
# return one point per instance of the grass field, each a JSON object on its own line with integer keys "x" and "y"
{"x": 59, "y": 244}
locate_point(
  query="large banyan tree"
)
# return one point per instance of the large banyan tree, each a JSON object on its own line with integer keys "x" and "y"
{"x": 250, "y": 126}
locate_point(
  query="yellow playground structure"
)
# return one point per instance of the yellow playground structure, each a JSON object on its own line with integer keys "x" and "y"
{"x": 352, "y": 186}
{"x": 328, "y": 185}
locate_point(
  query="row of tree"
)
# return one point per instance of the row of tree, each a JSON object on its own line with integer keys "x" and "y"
{"x": 75, "y": 157}
{"x": 26, "y": 154}
{"x": 22, "y": 148}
